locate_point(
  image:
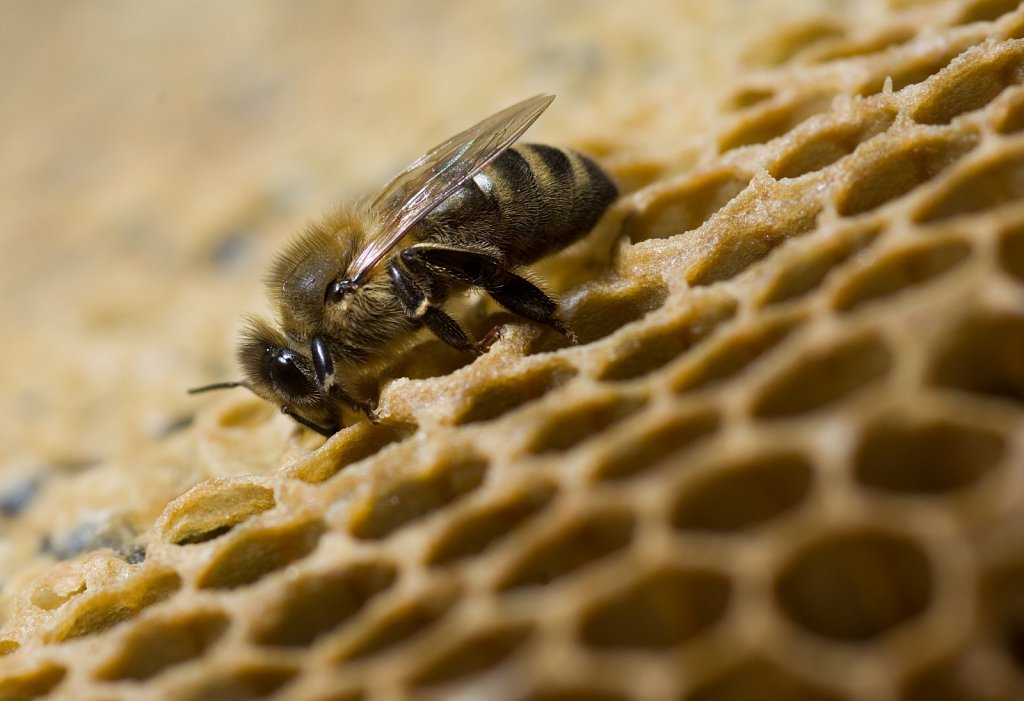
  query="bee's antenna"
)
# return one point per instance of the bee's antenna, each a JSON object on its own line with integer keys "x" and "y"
{"x": 219, "y": 385}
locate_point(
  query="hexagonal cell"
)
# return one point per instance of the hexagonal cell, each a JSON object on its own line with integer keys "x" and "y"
{"x": 339, "y": 688}
{"x": 730, "y": 353}
{"x": 542, "y": 339}
{"x": 759, "y": 679}
{"x": 897, "y": 270}
{"x": 820, "y": 148}
{"x": 477, "y": 529}
{"x": 954, "y": 679}
{"x": 431, "y": 357}
{"x": 158, "y": 643}
{"x": 32, "y": 684}
{"x": 659, "y": 610}
{"x": 855, "y": 586}
{"x": 246, "y": 414}
{"x": 571, "y": 547}
{"x": 739, "y": 241}
{"x": 687, "y": 205}
{"x": 397, "y": 624}
{"x": 1011, "y": 118}
{"x": 1014, "y": 28}
{"x": 417, "y": 496}
{"x": 970, "y": 83}
{"x": 245, "y": 683}
{"x": 605, "y": 311}
{"x": 982, "y": 354}
{"x": 773, "y": 119}
{"x": 787, "y": 41}
{"x": 911, "y": 70}
{"x": 1002, "y": 599}
{"x": 805, "y": 269}
{"x": 889, "y": 168}
{"x": 569, "y": 426}
{"x": 823, "y": 376}
{"x": 574, "y": 693}
{"x": 248, "y": 557}
{"x": 900, "y": 5}
{"x": 314, "y": 604}
{"x": 748, "y": 97}
{"x": 476, "y": 653}
{"x": 908, "y": 456}
{"x": 986, "y": 10}
{"x": 355, "y": 443}
{"x": 212, "y": 508}
{"x": 510, "y": 392}
{"x": 842, "y": 48}
{"x": 744, "y": 494}
{"x": 988, "y": 183}
{"x": 632, "y": 172}
{"x": 1011, "y": 251}
{"x": 95, "y": 612}
{"x": 640, "y": 450}
{"x": 48, "y": 596}
{"x": 655, "y": 347}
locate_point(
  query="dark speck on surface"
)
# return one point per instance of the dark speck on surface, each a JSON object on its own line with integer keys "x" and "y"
{"x": 16, "y": 496}
{"x": 175, "y": 425}
{"x": 136, "y": 555}
{"x": 232, "y": 251}
{"x": 109, "y": 532}
{"x": 74, "y": 465}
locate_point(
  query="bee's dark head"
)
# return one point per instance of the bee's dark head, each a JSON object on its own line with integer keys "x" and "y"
{"x": 278, "y": 372}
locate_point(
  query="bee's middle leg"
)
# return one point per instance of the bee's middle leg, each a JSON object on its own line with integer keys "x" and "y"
{"x": 414, "y": 297}
{"x": 479, "y": 269}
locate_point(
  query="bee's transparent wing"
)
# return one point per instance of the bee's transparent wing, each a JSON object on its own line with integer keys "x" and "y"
{"x": 430, "y": 180}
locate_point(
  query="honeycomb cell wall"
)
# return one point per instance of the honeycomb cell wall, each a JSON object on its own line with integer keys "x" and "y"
{"x": 786, "y": 460}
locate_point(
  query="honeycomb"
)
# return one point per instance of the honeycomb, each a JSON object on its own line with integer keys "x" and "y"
{"x": 786, "y": 460}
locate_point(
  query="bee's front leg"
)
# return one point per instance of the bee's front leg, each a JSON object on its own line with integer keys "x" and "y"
{"x": 419, "y": 306}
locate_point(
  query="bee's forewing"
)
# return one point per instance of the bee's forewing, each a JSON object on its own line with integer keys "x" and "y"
{"x": 431, "y": 179}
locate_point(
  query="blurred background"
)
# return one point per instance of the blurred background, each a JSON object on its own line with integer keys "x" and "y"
{"x": 155, "y": 156}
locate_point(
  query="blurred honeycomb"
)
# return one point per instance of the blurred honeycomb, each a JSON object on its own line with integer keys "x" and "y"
{"x": 785, "y": 462}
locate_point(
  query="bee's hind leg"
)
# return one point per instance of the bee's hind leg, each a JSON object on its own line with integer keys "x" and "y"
{"x": 418, "y": 305}
{"x": 515, "y": 293}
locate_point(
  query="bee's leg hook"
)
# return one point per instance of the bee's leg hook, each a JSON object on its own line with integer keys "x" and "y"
{"x": 371, "y": 412}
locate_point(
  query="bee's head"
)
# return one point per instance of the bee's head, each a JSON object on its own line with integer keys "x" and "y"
{"x": 277, "y": 371}
{"x": 282, "y": 374}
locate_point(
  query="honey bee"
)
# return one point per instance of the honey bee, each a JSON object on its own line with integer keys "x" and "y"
{"x": 351, "y": 291}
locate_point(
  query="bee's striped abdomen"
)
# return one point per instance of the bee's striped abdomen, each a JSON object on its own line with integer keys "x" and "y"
{"x": 547, "y": 198}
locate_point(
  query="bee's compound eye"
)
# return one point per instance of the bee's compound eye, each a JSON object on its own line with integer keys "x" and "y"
{"x": 282, "y": 368}
{"x": 338, "y": 289}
